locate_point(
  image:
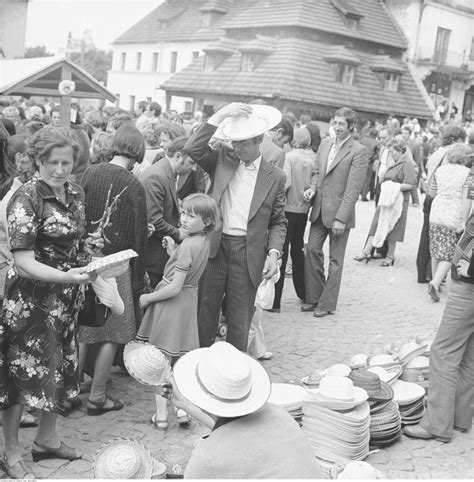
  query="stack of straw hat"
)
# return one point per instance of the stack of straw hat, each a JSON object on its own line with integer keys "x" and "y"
{"x": 289, "y": 397}
{"x": 336, "y": 420}
{"x": 410, "y": 398}
{"x": 417, "y": 371}
{"x": 126, "y": 459}
{"x": 385, "y": 420}
{"x": 338, "y": 369}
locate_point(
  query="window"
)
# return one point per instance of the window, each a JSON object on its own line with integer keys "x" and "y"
{"x": 132, "y": 103}
{"x": 471, "y": 53}
{"x": 195, "y": 55}
{"x": 154, "y": 65}
{"x": 441, "y": 46}
{"x": 174, "y": 60}
{"x": 188, "y": 106}
{"x": 163, "y": 24}
{"x": 391, "y": 81}
{"x": 139, "y": 60}
{"x": 249, "y": 62}
{"x": 123, "y": 60}
{"x": 344, "y": 73}
{"x": 206, "y": 20}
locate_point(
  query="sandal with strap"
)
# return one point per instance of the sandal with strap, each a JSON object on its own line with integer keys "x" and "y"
{"x": 27, "y": 420}
{"x": 365, "y": 257}
{"x": 182, "y": 417}
{"x": 159, "y": 424}
{"x": 18, "y": 470}
{"x": 387, "y": 262}
{"x": 62, "y": 452}
{"x": 99, "y": 407}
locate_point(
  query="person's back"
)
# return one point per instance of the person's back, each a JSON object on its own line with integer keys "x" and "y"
{"x": 267, "y": 444}
{"x": 298, "y": 168}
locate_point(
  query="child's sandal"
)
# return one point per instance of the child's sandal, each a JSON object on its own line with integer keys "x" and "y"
{"x": 182, "y": 417}
{"x": 159, "y": 424}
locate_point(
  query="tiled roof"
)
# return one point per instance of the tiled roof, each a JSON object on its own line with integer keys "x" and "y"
{"x": 259, "y": 44}
{"x": 217, "y": 6}
{"x": 184, "y": 20}
{"x": 339, "y": 53}
{"x": 224, "y": 45}
{"x": 387, "y": 64}
{"x": 375, "y": 26}
{"x": 297, "y": 71}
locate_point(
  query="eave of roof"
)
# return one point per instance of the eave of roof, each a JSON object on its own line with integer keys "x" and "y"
{"x": 297, "y": 71}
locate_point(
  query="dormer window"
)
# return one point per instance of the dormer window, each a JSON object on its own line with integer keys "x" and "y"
{"x": 249, "y": 62}
{"x": 344, "y": 73}
{"x": 391, "y": 81}
{"x": 163, "y": 24}
{"x": 206, "y": 20}
{"x": 212, "y": 61}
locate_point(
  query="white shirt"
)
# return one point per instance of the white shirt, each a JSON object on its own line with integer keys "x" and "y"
{"x": 335, "y": 148}
{"x": 237, "y": 197}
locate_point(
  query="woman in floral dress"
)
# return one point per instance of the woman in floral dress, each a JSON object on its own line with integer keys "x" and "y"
{"x": 38, "y": 348}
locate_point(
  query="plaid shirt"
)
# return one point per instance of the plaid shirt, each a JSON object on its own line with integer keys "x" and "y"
{"x": 464, "y": 249}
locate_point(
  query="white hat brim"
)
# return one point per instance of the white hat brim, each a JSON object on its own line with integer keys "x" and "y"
{"x": 135, "y": 369}
{"x": 184, "y": 372}
{"x": 360, "y": 396}
{"x": 262, "y": 119}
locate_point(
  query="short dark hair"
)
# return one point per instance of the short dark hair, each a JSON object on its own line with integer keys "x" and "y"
{"x": 406, "y": 128}
{"x": 128, "y": 142}
{"x": 142, "y": 104}
{"x": 156, "y": 108}
{"x": 286, "y": 127}
{"x": 349, "y": 115}
{"x": 119, "y": 120}
{"x": 453, "y": 133}
{"x": 177, "y": 145}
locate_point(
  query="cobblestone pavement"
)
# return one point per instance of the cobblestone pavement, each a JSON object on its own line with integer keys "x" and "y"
{"x": 377, "y": 306}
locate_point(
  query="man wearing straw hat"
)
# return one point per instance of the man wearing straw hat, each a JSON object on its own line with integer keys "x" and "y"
{"x": 250, "y": 439}
{"x": 251, "y": 194}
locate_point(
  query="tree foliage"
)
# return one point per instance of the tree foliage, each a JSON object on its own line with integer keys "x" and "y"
{"x": 94, "y": 61}
{"x": 37, "y": 51}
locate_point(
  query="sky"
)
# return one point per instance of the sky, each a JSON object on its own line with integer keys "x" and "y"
{"x": 49, "y": 21}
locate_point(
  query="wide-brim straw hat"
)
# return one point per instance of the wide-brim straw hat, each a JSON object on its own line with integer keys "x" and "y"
{"x": 123, "y": 458}
{"x": 222, "y": 380}
{"x": 112, "y": 265}
{"x": 146, "y": 363}
{"x": 262, "y": 119}
{"x": 377, "y": 390}
{"x": 411, "y": 350}
{"x": 288, "y": 396}
{"x": 387, "y": 374}
{"x": 355, "y": 469}
{"x": 406, "y": 393}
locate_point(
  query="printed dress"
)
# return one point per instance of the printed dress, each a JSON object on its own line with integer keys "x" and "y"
{"x": 38, "y": 348}
{"x": 171, "y": 324}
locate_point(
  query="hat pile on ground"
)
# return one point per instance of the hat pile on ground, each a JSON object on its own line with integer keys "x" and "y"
{"x": 333, "y": 434}
{"x": 410, "y": 399}
{"x": 289, "y": 397}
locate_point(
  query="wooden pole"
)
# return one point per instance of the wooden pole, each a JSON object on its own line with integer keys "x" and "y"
{"x": 66, "y": 74}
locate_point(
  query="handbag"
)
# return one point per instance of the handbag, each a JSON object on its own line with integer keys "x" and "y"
{"x": 93, "y": 313}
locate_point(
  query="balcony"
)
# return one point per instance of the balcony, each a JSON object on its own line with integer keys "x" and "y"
{"x": 451, "y": 58}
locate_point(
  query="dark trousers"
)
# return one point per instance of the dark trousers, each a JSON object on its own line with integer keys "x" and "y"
{"x": 423, "y": 257}
{"x": 154, "y": 279}
{"x": 294, "y": 238}
{"x": 369, "y": 183}
{"x": 227, "y": 274}
{"x": 320, "y": 290}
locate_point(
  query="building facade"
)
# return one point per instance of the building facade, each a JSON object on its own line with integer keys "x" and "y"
{"x": 440, "y": 38}
{"x": 301, "y": 56}
{"x": 13, "y": 28}
{"x": 158, "y": 46}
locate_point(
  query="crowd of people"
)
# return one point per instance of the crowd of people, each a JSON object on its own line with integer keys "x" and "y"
{"x": 211, "y": 206}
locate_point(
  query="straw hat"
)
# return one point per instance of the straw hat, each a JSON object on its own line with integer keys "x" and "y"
{"x": 355, "y": 469}
{"x": 338, "y": 369}
{"x": 222, "y": 380}
{"x": 358, "y": 361}
{"x": 406, "y": 392}
{"x": 146, "y": 363}
{"x": 123, "y": 458}
{"x": 420, "y": 362}
{"x": 378, "y": 390}
{"x": 387, "y": 375}
{"x": 382, "y": 360}
{"x": 262, "y": 119}
{"x": 411, "y": 350}
{"x": 338, "y": 393}
{"x": 175, "y": 458}
{"x": 112, "y": 265}
{"x": 288, "y": 396}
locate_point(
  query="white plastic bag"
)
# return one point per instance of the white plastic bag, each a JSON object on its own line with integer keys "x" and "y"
{"x": 266, "y": 291}
{"x": 108, "y": 294}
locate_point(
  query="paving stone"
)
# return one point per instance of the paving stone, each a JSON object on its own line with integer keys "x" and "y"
{"x": 52, "y": 464}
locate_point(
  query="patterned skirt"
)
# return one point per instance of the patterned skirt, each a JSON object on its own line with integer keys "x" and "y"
{"x": 38, "y": 345}
{"x": 443, "y": 241}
